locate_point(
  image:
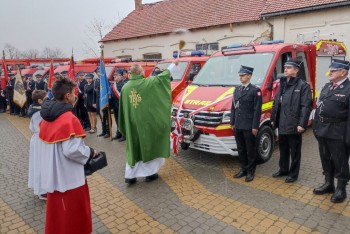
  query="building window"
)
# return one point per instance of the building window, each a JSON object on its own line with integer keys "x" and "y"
{"x": 152, "y": 56}
{"x": 125, "y": 57}
{"x": 208, "y": 46}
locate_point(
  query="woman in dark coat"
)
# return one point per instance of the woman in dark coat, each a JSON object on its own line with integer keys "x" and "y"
{"x": 89, "y": 101}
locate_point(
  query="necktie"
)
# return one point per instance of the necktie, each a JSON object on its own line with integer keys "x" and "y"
{"x": 334, "y": 86}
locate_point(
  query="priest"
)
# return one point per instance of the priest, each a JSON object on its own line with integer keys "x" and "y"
{"x": 144, "y": 118}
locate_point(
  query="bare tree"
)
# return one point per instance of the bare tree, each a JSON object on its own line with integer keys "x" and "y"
{"x": 95, "y": 32}
{"x": 52, "y": 53}
{"x": 11, "y": 51}
{"x": 30, "y": 53}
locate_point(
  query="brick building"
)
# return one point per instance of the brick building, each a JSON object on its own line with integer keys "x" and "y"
{"x": 154, "y": 30}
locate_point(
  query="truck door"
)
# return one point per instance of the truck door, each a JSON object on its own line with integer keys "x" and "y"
{"x": 278, "y": 72}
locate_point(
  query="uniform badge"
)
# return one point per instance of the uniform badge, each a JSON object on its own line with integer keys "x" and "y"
{"x": 339, "y": 95}
{"x": 237, "y": 104}
{"x": 341, "y": 86}
{"x": 259, "y": 93}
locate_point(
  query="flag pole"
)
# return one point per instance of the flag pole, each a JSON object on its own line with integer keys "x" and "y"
{"x": 110, "y": 123}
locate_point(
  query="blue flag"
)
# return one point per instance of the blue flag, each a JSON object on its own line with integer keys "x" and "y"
{"x": 104, "y": 86}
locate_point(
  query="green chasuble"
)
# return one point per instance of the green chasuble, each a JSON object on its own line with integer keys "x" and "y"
{"x": 144, "y": 117}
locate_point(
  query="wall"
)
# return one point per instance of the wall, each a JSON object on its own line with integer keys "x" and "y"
{"x": 166, "y": 44}
{"x": 335, "y": 21}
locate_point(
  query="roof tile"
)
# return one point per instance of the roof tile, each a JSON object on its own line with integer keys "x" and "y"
{"x": 171, "y": 15}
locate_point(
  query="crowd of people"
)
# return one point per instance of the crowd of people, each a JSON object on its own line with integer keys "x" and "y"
{"x": 86, "y": 106}
{"x": 136, "y": 102}
{"x": 290, "y": 117}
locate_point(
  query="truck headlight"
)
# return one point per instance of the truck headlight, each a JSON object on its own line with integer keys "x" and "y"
{"x": 226, "y": 117}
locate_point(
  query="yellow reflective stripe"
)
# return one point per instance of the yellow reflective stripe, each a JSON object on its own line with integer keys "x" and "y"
{"x": 228, "y": 92}
{"x": 223, "y": 127}
{"x": 317, "y": 94}
{"x": 190, "y": 89}
{"x": 267, "y": 105}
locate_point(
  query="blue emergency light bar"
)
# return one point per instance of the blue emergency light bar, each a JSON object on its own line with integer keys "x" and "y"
{"x": 190, "y": 53}
{"x": 271, "y": 42}
{"x": 234, "y": 46}
{"x": 237, "y": 47}
{"x": 122, "y": 60}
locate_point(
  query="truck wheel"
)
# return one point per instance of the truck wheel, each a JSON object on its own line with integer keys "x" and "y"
{"x": 264, "y": 144}
{"x": 185, "y": 146}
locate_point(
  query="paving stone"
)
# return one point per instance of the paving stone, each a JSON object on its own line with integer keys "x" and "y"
{"x": 265, "y": 205}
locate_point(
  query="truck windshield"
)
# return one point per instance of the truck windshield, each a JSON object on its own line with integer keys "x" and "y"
{"x": 108, "y": 71}
{"x": 223, "y": 70}
{"x": 178, "y": 71}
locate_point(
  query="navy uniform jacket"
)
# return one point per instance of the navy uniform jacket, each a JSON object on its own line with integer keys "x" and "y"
{"x": 89, "y": 94}
{"x": 40, "y": 85}
{"x": 114, "y": 101}
{"x": 10, "y": 88}
{"x": 246, "y": 108}
{"x": 97, "y": 92}
{"x": 332, "y": 117}
{"x": 81, "y": 86}
{"x": 292, "y": 105}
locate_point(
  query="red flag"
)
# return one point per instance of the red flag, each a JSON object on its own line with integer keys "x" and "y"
{"x": 5, "y": 72}
{"x": 52, "y": 77}
{"x": 71, "y": 73}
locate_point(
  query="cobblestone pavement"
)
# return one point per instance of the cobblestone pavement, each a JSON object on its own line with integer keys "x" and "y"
{"x": 195, "y": 193}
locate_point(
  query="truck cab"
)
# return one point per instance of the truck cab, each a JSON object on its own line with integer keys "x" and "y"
{"x": 190, "y": 63}
{"x": 126, "y": 64}
{"x": 205, "y": 105}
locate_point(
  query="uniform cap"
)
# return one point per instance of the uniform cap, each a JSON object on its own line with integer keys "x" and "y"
{"x": 64, "y": 73}
{"x": 89, "y": 76}
{"x": 245, "y": 70}
{"x": 339, "y": 64}
{"x": 119, "y": 71}
{"x": 293, "y": 63}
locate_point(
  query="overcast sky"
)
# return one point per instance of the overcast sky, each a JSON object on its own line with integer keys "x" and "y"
{"x": 35, "y": 24}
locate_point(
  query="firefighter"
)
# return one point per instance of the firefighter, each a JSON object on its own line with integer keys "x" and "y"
{"x": 81, "y": 110}
{"x": 14, "y": 110}
{"x": 3, "y": 105}
{"x": 116, "y": 88}
{"x": 245, "y": 120}
{"x": 29, "y": 90}
{"x": 39, "y": 84}
{"x": 290, "y": 114}
{"x": 332, "y": 130}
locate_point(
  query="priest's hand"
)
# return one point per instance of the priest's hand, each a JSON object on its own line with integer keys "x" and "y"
{"x": 95, "y": 153}
{"x": 176, "y": 61}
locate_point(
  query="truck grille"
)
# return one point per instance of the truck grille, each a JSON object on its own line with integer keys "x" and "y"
{"x": 204, "y": 118}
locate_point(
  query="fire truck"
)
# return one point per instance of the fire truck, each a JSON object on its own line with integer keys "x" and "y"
{"x": 190, "y": 63}
{"x": 13, "y": 64}
{"x": 126, "y": 64}
{"x": 205, "y": 105}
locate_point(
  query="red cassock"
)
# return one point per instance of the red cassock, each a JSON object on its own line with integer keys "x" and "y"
{"x": 67, "y": 212}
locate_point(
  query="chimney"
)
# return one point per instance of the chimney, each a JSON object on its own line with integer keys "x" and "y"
{"x": 138, "y": 4}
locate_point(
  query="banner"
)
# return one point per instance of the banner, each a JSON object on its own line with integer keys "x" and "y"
{"x": 5, "y": 76}
{"x": 52, "y": 77}
{"x": 19, "y": 96}
{"x": 104, "y": 85}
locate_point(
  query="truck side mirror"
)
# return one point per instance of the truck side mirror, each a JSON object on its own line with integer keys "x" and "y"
{"x": 191, "y": 76}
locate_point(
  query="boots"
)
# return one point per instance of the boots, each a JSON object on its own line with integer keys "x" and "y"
{"x": 327, "y": 187}
{"x": 340, "y": 193}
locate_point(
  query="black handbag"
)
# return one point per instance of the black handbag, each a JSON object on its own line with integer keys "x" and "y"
{"x": 96, "y": 163}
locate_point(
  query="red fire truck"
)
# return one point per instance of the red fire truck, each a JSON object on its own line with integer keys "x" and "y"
{"x": 210, "y": 94}
{"x": 12, "y": 64}
{"x": 190, "y": 63}
{"x": 126, "y": 64}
